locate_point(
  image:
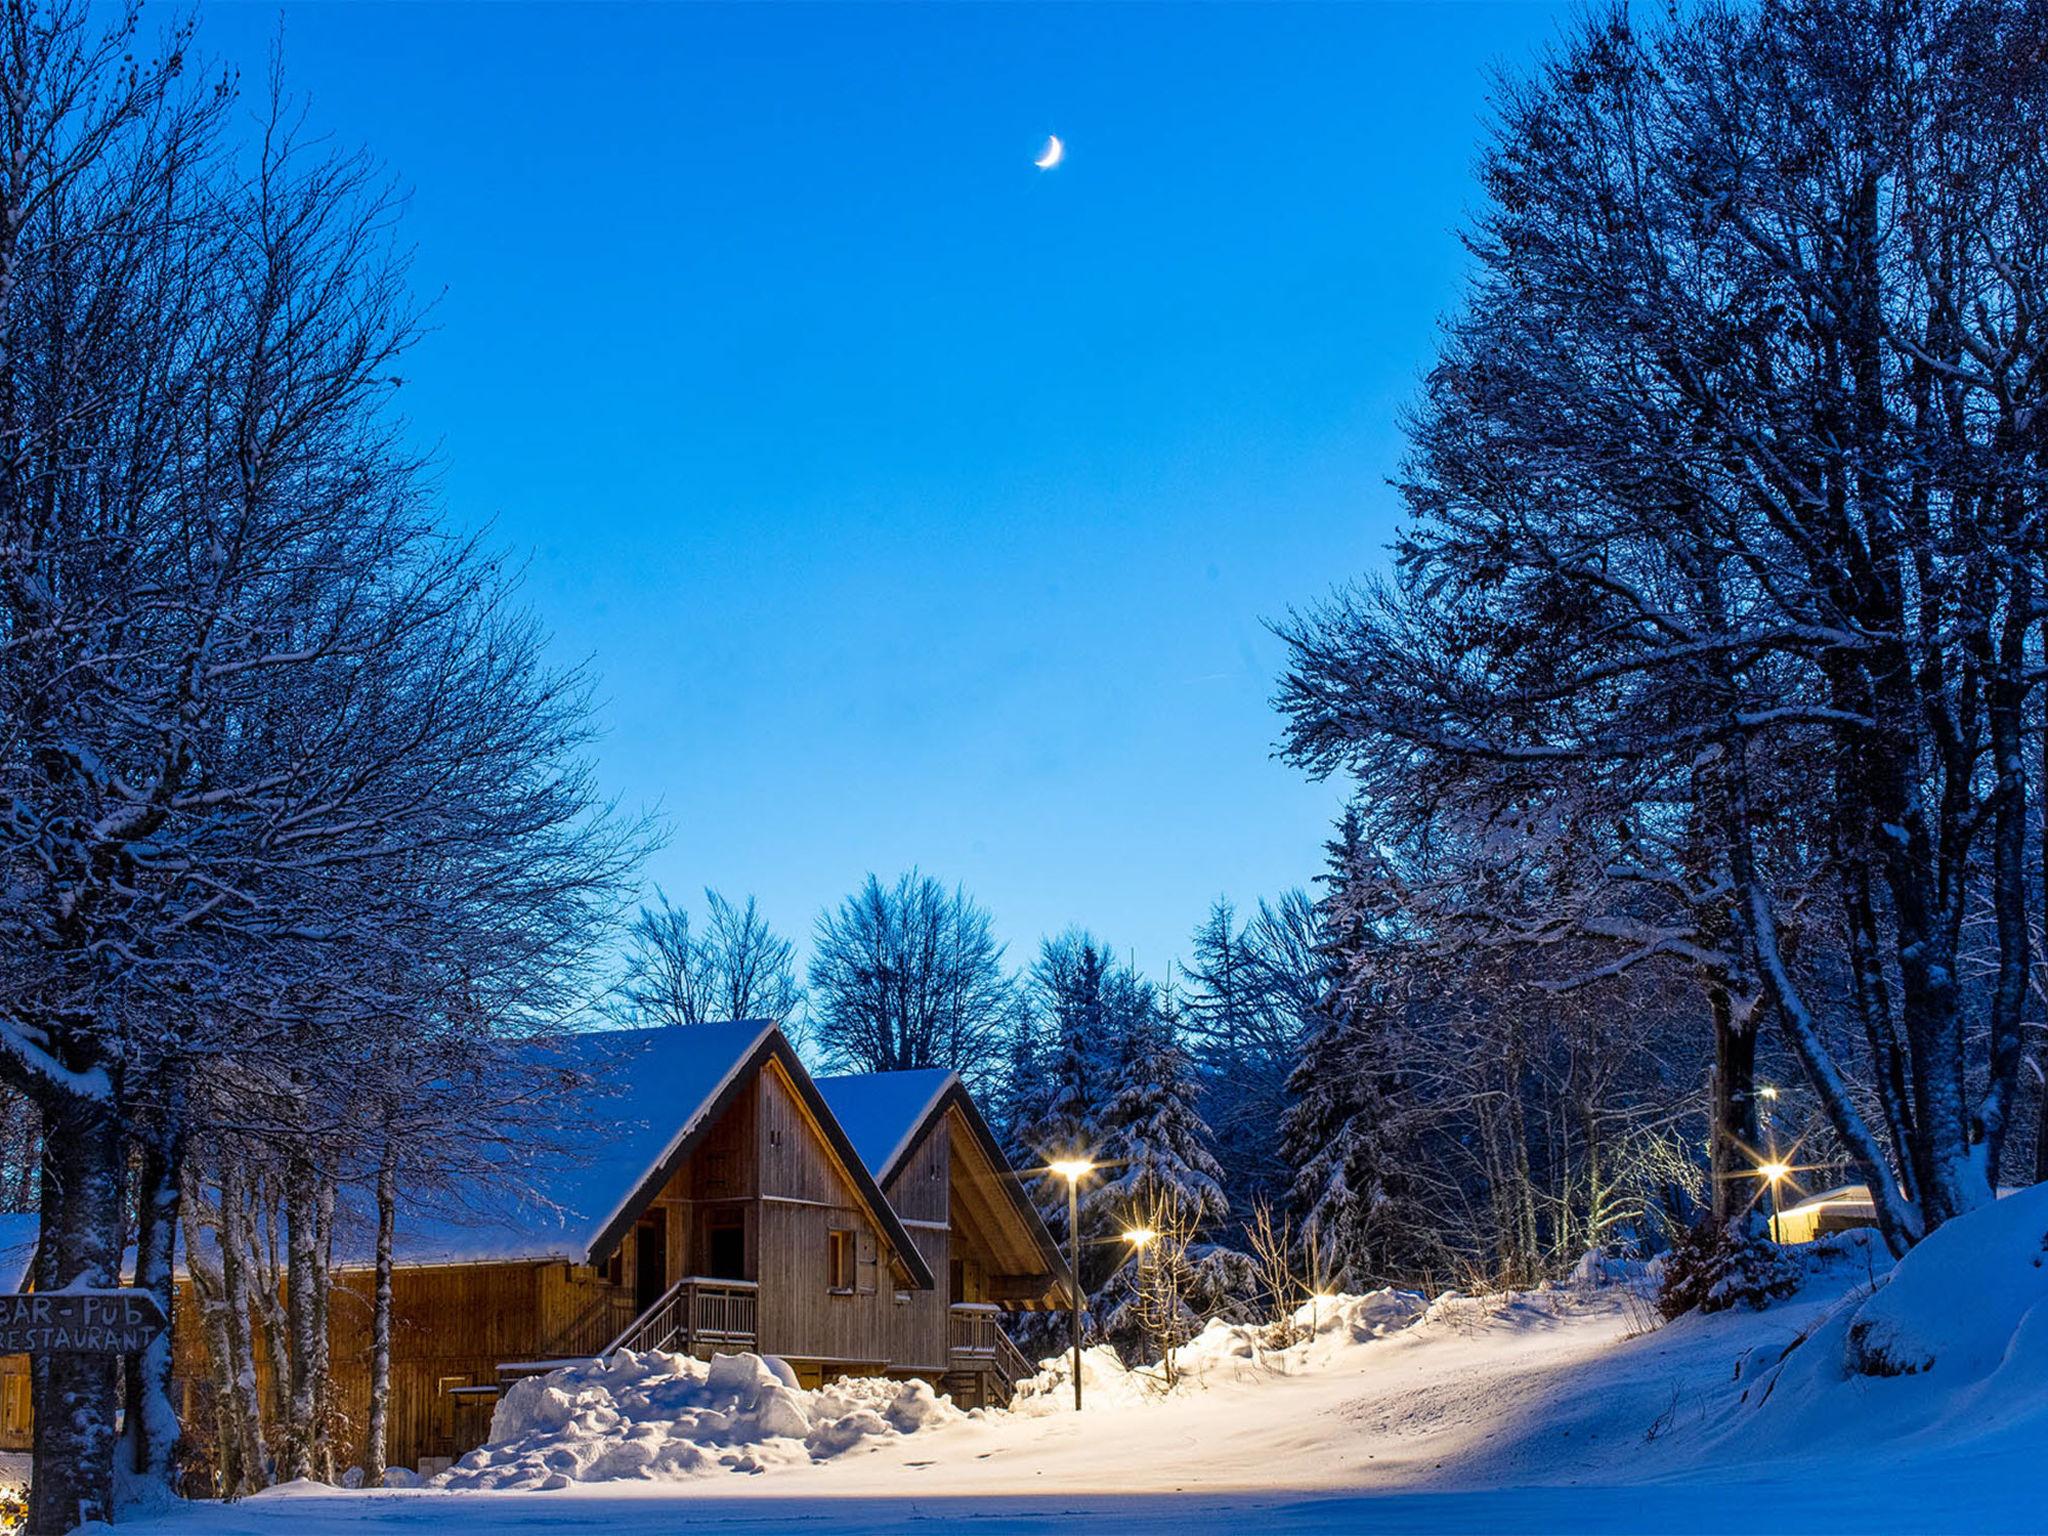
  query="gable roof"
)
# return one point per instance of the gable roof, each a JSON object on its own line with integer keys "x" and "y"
{"x": 592, "y": 1147}
{"x": 773, "y": 1046}
{"x": 885, "y": 1113}
{"x": 604, "y": 1151}
{"x": 889, "y": 1115}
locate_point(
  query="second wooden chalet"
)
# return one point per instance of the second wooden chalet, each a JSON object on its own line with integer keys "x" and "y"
{"x": 946, "y": 1178}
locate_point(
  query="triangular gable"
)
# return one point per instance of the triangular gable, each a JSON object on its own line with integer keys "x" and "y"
{"x": 886, "y": 1113}
{"x": 773, "y": 1046}
{"x": 19, "y": 1232}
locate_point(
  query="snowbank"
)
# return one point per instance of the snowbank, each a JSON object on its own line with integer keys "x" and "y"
{"x": 1953, "y": 1342}
{"x": 1321, "y": 1328}
{"x": 657, "y": 1416}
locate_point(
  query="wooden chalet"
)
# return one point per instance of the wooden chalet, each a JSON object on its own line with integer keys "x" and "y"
{"x": 944, "y": 1174}
{"x": 707, "y": 1195}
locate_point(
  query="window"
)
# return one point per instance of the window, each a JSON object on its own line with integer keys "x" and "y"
{"x": 839, "y": 1260}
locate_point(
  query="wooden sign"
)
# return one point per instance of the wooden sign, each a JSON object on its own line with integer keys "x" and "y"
{"x": 118, "y": 1322}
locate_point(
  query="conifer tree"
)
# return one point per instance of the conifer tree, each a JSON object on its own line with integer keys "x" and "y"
{"x": 1335, "y": 1136}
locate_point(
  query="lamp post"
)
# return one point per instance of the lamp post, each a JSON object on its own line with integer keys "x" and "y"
{"x": 1771, "y": 1172}
{"x": 1140, "y": 1238}
{"x": 1073, "y": 1169}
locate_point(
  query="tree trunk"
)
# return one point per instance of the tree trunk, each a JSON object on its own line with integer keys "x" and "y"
{"x": 152, "y": 1430}
{"x": 236, "y": 1247}
{"x": 1734, "y": 1129}
{"x": 76, "y": 1395}
{"x": 301, "y": 1316}
{"x": 380, "y": 1318}
{"x": 324, "y": 1413}
{"x": 209, "y": 1293}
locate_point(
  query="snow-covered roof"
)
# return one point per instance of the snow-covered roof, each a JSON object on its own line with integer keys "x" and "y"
{"x": 651, "y": 1090}
{"x": 881, "y": 1111}
{"x": 1842, "y": 1196}
{"x": 18, "y": 1234}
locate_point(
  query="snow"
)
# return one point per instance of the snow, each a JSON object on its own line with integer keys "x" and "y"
{"x": 1911, "y": 1361}
{"x": 1561, "y": 1408}
{"x": 881, "y": 1111}
{"x": 659, "y": 1416}
{"x": 652, "y": 1088}
{"x": 18, "y": 1234}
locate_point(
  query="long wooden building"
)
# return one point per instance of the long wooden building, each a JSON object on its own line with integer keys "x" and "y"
{"x": 704, "y": 1195}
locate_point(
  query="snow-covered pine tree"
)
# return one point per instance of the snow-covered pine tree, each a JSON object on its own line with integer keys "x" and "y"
{"x": 1161, "y": 1174}
{"x": 1062, "y": 1077}
{"x": 1334, "y": 1136}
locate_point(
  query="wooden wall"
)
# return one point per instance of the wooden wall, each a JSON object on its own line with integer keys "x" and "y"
{"x": 804, "y": 1196}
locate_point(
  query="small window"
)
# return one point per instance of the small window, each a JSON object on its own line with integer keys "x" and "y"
{"x": 839, "y": 1260}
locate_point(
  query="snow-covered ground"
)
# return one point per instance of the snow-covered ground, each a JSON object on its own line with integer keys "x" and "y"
{"x": 1547, "y": 1411}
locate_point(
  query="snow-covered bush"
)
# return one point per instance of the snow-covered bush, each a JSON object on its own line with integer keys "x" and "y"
{"x": 1712, "y": 1270}
{"x": 653, "y": 1416}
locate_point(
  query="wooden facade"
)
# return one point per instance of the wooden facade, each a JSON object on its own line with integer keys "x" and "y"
{"x": 758, "y": 1228}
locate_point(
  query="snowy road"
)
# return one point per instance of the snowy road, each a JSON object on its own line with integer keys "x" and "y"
{"x": 1545, "y": 1415}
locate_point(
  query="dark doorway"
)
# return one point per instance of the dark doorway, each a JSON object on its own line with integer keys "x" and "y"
{"x": 956, "y": 1280}
{"x": 725, "y": 1245}
{"x": 650, "y": 1263}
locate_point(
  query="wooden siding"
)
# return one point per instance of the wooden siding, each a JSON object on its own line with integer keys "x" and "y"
{"x": 805, "y": 1195}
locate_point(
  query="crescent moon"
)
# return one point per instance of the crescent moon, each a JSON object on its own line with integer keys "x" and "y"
{"x": 1052, "y": 154}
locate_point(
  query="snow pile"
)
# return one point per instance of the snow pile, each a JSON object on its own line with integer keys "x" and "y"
{"x": 1321, "y": 1329}
{"x": 1955, "y": 1339}
{"x": 657, "y": 1416}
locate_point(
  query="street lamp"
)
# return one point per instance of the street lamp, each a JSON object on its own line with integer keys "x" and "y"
{"x": 1319, "y": 1297}
{"x": 1771, "y": 1172}
{"x": 1140, "y": 1238}
{"x": 1073, "y": 1170}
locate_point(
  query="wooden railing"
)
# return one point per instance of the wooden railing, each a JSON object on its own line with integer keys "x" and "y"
{"x": 1012, "y": 1364}
{"x": 695, "y": 1310}
{"x": 972, "y": 1329}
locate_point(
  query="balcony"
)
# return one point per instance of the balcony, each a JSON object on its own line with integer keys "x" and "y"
{"x": 972, "y": 1331}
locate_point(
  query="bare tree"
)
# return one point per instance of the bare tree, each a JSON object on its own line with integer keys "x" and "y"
{"x": 1725, "y": 470}
{"x": 736, "y": 967}
{"x": 910, "y": 975}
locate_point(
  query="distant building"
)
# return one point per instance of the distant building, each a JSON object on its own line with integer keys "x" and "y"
{"x": 1840, "y": 1209}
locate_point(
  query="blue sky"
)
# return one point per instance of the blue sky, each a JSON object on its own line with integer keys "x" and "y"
{"x": 915, "y": 506}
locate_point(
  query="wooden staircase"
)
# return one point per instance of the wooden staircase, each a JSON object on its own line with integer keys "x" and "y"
{"x": 695, "y": 1313}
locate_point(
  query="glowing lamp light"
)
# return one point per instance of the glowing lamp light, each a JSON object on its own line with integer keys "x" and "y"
{"x": 1769, "y": 1093}
{"x": 1072, "y": 1169}
{"x": 1138, "y": 1237}
{"x": 1773, "y": 1171}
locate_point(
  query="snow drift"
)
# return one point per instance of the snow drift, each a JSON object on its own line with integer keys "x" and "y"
{"x": 658, "y": 1416}
{"x": 1953, "y": 1341}
{"x": 1226, "y": 1350}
